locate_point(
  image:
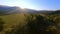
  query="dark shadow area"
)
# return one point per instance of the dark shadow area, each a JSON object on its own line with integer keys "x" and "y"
{"x": 1, "y": 24}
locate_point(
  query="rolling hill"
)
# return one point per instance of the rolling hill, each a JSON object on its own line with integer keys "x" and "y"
{"x": 14, "y": 20}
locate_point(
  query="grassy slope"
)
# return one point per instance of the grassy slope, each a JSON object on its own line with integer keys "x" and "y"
{"x": 13, "y": 21}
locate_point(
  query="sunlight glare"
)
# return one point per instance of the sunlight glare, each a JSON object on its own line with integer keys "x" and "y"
{"x": 22, "y": 7}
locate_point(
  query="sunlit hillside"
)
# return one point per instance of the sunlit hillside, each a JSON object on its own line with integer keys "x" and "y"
{"x": 12, "y": 21}
{"x": 22, "y": 23}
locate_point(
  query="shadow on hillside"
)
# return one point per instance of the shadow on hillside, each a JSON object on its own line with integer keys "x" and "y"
{"x": 1, "y": 24}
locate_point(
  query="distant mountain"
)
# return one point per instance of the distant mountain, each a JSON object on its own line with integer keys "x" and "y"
{"x": 30, "y": 10}
{"x": 39, "y": 11}
{"x": 7, "y": 9}
{"x": 13, "y": 10}
{"x": 56, "y": 12}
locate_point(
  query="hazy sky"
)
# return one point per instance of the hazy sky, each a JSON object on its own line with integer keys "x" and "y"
{"x": 33, "y": 4}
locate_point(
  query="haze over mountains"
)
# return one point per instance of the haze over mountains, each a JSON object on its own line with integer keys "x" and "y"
{"x": 15, "y": 9}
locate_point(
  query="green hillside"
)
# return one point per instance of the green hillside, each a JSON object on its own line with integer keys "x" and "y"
{"x": 12, "y": 21}
{"x": 30, "y": 24}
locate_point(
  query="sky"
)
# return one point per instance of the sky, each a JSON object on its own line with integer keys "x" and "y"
{"x": 33, "y": 4}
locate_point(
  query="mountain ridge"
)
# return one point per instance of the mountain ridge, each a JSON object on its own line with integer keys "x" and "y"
{"x": 16, "y": 9}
